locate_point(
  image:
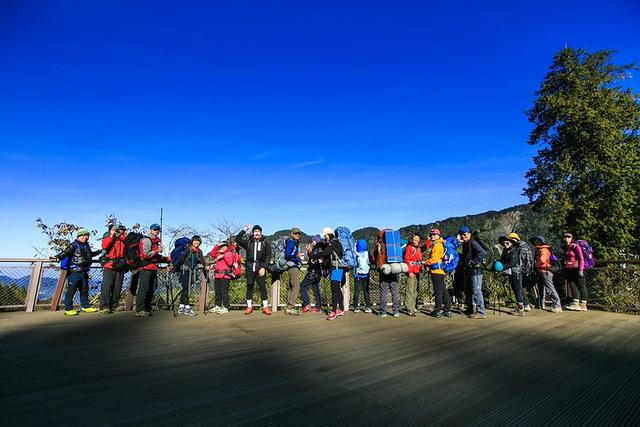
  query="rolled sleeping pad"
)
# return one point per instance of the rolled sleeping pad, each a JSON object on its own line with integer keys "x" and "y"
{"x": 385, "y": 269}
{"x": 394, "y": 268}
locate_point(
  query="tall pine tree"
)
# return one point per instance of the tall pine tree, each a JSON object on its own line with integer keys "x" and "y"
{"x": 587, "y": 172}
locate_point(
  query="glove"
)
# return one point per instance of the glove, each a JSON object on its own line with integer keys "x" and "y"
{"x": 580, "y": 273}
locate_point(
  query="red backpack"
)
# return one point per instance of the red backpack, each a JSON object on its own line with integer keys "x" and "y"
{"x": 237, "y": 262}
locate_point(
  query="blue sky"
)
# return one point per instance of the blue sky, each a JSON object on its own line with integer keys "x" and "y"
{"x": 359, "y": 113}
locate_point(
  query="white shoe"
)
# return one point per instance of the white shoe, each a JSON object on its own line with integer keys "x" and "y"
{"x": 223, "y": 310}
{"x": 215, "y": 309}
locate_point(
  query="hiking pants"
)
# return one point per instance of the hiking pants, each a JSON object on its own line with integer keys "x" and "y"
{"x": 77, "y": 281}
{"x": 311, "y": 279}
{"x": 389, "y": 282}
{"x": 515, "y": 280}
{"x": 473, "y": 290}
{"x": 252, "y": 278}
{"x": 458, "y": 286}
{"x": 111, "y": 288}
{"x": 221, "y": 287}
{"x": 411, "y": 295}
{"x": 147, "y": 283}
{"x": 361, "y": 283}
{"x": 294, "y": 287}
{"x": 440, "y": 292}
{"x": 546, "y": 288}
{"x": 337, "y": 297}
{"x": 184, "y": 278}
{"x": 575, "y": 280}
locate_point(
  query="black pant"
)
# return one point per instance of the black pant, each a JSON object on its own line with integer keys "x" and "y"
{"x": 458, "y": 286}
{"x": 440, "y": 292}
{"x": 184, "y": 279}
{"x": 222, "y": 292}
{"x": 252, "y": 277}
{"x": 337, "y": 298}
{"x": 574, "y": 279}
{"x": 147, "y": 283}
{"x": 111, "y": 288}
{"x": 361, "y": 283}
{"x": 515, "y": 280}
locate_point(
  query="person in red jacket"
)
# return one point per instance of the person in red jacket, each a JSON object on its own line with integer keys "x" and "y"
{"x": 413, "y": 258}
{"x": 113, "y": 246}
{"x": 223, "y": 269}
{"x": 150, "y": 255}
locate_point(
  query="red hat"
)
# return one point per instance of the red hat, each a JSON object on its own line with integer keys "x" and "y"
{"x": 435, "y": 231}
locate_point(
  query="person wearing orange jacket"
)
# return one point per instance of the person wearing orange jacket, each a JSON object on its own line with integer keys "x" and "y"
{"x": 437, "y": 274}
{"x": 544, "y": 274}
{"x": 413, "y": 258}
{"x": 113, "y": 247}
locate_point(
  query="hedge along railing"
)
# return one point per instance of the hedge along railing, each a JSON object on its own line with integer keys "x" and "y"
{"x": 31, "y": 284}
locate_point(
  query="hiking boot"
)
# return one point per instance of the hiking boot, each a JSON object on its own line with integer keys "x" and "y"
{"x": 574, "y": 306}
{"x": 477, "y": 316}
{"x": 189, "y": 312}
{"x": 368, "y": 310}
{"x": 437, "y": 314}
{"x": 556, "y": 310}
{"x": 248, "y": 310}
{"x": 70, "y": 312}
{"x": 356, "y": 310}
{"x": 527, "y": 307}
{"x": 266, "y": 311}
{"x": 105, "y": 311}
{"x": 382, "y": 314}
{"x": 93, "y": 310}
{"x": 306, "y": 308}
{"x": 315, "y": 310}
{"x": 518, "y": 312}
{"x": 223, "y": 310}
{"x": 412, "y": 313}
{"x": 180, "y": 310}
{"x": 215, "y": 309}
{"x": 583, "y": 305}
{"x": 339, "y": 312}
{"x": 291, "y": 311}
{"x": 332, "y": 315}
{"x": 142, "y": 314}
{"x": 448, "y": 314}
{"x": 396, "y": 314}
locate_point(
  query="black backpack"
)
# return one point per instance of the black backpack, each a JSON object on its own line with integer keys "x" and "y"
{"x": 527, "y": 260}
{"x": 131, "y": 256}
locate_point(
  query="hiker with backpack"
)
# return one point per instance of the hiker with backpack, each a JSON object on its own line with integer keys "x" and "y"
{"x": 413, "y": 258}
{"x": 189, "y": 264}
{"x": 574, "y": 266}
{"x": 471, "y": 260}
{"x": 388, "y": 280}
{"x": 333, "y": 253}
{"x": 223, "y": 274}
{"x": 112, "y": 248}
{"x": 318, "y": 268}
{"x": 361, "y": 276}
{"x": 150, "y": 255}
{"x": 436, "y": 270}
{"x": 544, "y": 266}
{"x": 513, "y": 267}
{"x": 258, "y": 256}
{"x": 77, "y": 259}
{"x": 292, "y": 256}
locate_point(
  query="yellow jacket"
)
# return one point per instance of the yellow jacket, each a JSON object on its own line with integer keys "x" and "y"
{"x": 437, "y": 252}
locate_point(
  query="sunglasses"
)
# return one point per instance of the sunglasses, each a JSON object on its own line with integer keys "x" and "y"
{"x": 297, "y": 232}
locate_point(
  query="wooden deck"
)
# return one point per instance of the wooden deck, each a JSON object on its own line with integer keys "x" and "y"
{"x": 566, "y": 369}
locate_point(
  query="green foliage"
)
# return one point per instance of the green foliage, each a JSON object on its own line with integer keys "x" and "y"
{"x": 12, "y": 295}
{"x": 586, "y": 173}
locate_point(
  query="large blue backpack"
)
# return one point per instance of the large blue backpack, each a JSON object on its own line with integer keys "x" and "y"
{"x": 451, "y": 257}
{"x": 180, "y": 245}
{"x": 65, "y": 263}
{"x": 343, "y": 234}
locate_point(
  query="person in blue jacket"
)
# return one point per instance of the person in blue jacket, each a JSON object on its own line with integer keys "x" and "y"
{"x": 292, "y": 256}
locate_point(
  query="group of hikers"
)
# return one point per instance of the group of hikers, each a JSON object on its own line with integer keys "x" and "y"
{"x": 436, "y": 256}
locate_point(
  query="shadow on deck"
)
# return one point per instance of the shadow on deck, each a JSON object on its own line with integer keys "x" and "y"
{"x": 567, "y": 368}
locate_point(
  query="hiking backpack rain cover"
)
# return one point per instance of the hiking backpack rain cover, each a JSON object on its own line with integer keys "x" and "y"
{"x": 348, "y": 247}
{"x": 451, "y": 257}
{"x": 179, "y": 247}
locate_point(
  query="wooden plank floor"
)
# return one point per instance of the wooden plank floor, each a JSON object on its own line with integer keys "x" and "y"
{"x": 543, "y": 369}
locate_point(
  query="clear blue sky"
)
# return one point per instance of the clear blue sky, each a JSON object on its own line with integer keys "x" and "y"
{"x": 282, "y": 113}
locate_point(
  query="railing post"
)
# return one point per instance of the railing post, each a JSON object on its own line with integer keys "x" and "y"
{"x": 204, "y": 291}
{"x": 57, "y": 294}
{"x": 345, "y": 292}
{"x": 275, "y": 293}
{"x": 34, "y": 286}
